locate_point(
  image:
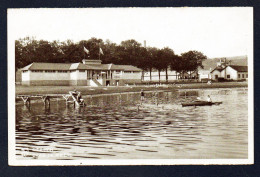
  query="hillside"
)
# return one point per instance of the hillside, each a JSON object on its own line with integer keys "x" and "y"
{"x": 237, "y": 60}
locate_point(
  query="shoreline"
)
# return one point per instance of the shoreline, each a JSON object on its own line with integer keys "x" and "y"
{"x": 87, "y": 90}
{"x": 99, "y": 91}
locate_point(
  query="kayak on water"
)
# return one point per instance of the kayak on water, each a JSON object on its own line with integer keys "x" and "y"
{"x": 201, "y": 103}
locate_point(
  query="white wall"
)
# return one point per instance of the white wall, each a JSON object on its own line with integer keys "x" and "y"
{"x": 230, "y": 71}
{"x": 155, "y": 75}
{"x": 117, "y": 75}
{"x": 204, "y": 74}
{"x": 82, "y": 75}
{"x": 74, "y": 75}
{"x": 245, "y": 73}
{"x": 132, "y": 75}
{"x": 26, "y": 76}
{"x": 49, "y": 76}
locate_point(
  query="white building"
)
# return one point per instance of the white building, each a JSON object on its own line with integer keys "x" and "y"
{"x": 230, "y": 72}
{"x": 154, "y": 76}
{"x": 219, "y": 63}
{"x": 89, "y": 73}
{"x": 204, "y": 74}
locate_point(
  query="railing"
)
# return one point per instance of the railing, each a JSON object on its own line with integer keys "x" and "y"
{"x": 96, "y": 82}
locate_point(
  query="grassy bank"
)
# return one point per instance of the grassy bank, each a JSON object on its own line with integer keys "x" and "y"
{"x": 86, "y": 90}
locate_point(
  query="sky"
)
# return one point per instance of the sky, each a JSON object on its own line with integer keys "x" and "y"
{"x": 216, "y": 32}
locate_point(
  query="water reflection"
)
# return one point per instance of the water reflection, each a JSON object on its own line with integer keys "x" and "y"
{"x": 118, "y": 126}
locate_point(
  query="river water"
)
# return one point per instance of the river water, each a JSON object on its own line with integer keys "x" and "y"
{"x": 118, "y": 127}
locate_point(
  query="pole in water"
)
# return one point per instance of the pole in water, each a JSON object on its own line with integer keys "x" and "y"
{"x": 29, "y": 102}
{"x": 120, "y": 98}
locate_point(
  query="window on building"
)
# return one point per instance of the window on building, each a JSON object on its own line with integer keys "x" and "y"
{"x": 127, "y": 71}
{"x": 62, "y": 71}
{"x": 216, "y": 76}
{"x": 246, "y": 75}
{"x": 243, "y": 76}
{"x": 50, "y": 71}
{"x": 228, "y": 76}
{"x": 238, "y": 75}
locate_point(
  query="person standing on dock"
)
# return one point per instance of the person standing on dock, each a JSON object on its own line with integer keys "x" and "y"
{"x": 142, "y": 95}
{"x": 155, "y": 97}
{"x": 209, "y": 99}
{"x": 79, "y": 96}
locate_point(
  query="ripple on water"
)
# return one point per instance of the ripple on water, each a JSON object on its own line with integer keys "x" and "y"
{"x": 108, "y": 128}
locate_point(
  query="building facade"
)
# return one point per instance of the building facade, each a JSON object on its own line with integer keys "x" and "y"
{"x": 87, "y": 73}
{"x": 230, "y": 72}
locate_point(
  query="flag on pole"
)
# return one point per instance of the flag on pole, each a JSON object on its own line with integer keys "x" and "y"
{"x": 86, "y": 50}
{"x": 101, "y": 51}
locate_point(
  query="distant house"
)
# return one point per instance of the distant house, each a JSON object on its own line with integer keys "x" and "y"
{"x": 230, "y": 72}
{"x": 218, "y": 64}
{"x": 88, "y": 73}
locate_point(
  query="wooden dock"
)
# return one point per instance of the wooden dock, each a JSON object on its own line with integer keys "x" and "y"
{"x": 69, "y": 98}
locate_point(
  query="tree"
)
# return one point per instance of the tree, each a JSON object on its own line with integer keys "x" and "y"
{"x": 19, "y": 61}
{"x": 109, "y": 50}
{"x": 165, "y": 56}
{"x": 93, "y": 46}
{"x": 25, "y": 51}
{"x": 193, "y": 60}
{"x": 130, "y": 51}
{"x": 177, "y": 64}
{"x": 71, "y": 52}
{"x": 152, "y": 56}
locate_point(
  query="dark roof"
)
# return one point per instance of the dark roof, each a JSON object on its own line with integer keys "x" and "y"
{"x": 218, "y": 68}
{"x": 125, "y": 67}
{"x": 48, "y": 66}
{"x": 239, "y": 68}
{"x": 75, "y": 66}
{"x": 235, "y": 67}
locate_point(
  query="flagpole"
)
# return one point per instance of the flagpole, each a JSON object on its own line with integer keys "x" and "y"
{"x": 99, "y": 51}
{"x": 83, "y": 51}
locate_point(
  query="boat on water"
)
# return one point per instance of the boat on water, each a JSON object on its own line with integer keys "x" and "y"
{"x": 200, "y": 103}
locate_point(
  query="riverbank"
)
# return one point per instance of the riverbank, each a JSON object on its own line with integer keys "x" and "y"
{"x": 86, "y": 90}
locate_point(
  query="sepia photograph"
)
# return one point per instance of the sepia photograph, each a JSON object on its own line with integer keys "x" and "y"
{"x": 130, "y": 86}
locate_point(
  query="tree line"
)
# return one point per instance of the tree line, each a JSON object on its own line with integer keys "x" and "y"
{"x": 128, "y": 52}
